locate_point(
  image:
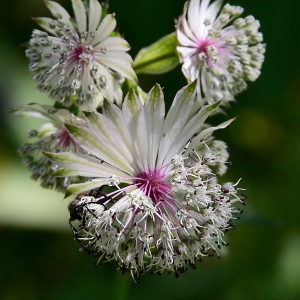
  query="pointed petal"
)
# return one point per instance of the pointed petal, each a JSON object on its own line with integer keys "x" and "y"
{"x": 118, "y": 61}
{"x": 43, "y": 112}
{"x": 100, "y": 126}
{"x": 115, "y": 122}
{"x": 114, "y": 43}
{"x": 193, "y": 15}
{"x": 80, "y": 15}
{"x": 154, "y": 115}
{"x": 214, "y": 9}
{"x": 190, "y": 129}
{"x": 79, "y": 188}
{"x": 176, "y": 119}
{"x": 184, "y": 40}
{"x": 204, "y": 134}
{"x": 186, "y": 29}
{"x": 92, "y": 145}
{"x": 105, "y": 28}
{"x": 134, "y": 118}
{"x": 95, "y": 13}
{"x": 118, "y": 93}
{"x": 186, "y": 51}
{"x": 82, "y": 165}
{"x": 201, "y": 16}
{"x": 56, "y": 9}
{"x": 30, "y": 111}
{"x": 44, "y": 23}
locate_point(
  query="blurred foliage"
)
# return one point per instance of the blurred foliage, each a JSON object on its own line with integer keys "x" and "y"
{"x": 40, "y": 260}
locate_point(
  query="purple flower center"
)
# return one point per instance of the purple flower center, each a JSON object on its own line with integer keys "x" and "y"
{"x": 82, "y": 54}
{"x": 153, "y": 185}
{"x": 77, "y": 52}
{"x": 215, "y": 50}
{"x": 202, "y": 45}
{"x": 66, "y": 140}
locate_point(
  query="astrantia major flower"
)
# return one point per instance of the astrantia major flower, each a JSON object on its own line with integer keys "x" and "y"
{"x": 219, "y": 49}
{"x": 82, "y": 61}
{"x": 166, "y": 209}
{"x": 52, "y": 136}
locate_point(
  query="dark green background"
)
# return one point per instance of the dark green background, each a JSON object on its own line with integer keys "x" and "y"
{"x": 38, "y": 257}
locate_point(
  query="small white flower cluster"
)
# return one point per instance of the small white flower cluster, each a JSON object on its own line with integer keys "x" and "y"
{"x": 219, "y": 49}
{"x": 79, "y": 63}
{"x": 52, "y": 136}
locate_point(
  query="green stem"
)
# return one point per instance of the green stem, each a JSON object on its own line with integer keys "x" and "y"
{"x": 123, "y": 283}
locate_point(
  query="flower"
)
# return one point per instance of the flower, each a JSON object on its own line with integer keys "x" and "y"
{"x": 52, "y": 136}
{"x": 82, "y": 61}
{"x": 221, "y": 58}
{"x": 166, "y": 209}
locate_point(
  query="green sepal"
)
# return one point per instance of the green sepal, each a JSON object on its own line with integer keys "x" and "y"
{"x": 158, "y": 58}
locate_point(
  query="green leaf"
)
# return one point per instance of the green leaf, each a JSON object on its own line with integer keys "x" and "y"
{"x": 159, "y": 57}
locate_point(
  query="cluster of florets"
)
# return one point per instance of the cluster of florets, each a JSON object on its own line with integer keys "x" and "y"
{"x": 53, "y": 137}
{"x": 221, "y": 58}
{"x": 79, "y": 63}
{"x": 184, "y": 219}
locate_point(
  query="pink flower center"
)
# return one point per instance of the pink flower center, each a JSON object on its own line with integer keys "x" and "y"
{"x": 66, "y": 141}
{"x": 77, "y": 52}
{"x": 203, "y": 44}
{"x": 153, "y": 185}
{"x": 82, "y": 54}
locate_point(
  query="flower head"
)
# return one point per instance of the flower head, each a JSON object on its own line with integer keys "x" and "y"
{"x": 221, "y": 57}
{"x": 167, "y": 209}
{"x": 82, "y": 61}
{"x": 52, "y": 136}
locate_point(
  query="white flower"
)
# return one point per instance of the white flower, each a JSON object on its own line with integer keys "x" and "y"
{"x": 52, "y": 136}
{"x": 82, "y": 61}
{"x": 167, "y": 209}
{"x": 221, "y": 57}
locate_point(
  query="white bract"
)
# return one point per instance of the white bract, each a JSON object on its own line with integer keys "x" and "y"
{"x": 219, "y": 49}
{"x": 82, "y": 61}
{"x": 167, "y": 209}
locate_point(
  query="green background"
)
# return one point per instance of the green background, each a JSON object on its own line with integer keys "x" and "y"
{"x": 38, "y": 257}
